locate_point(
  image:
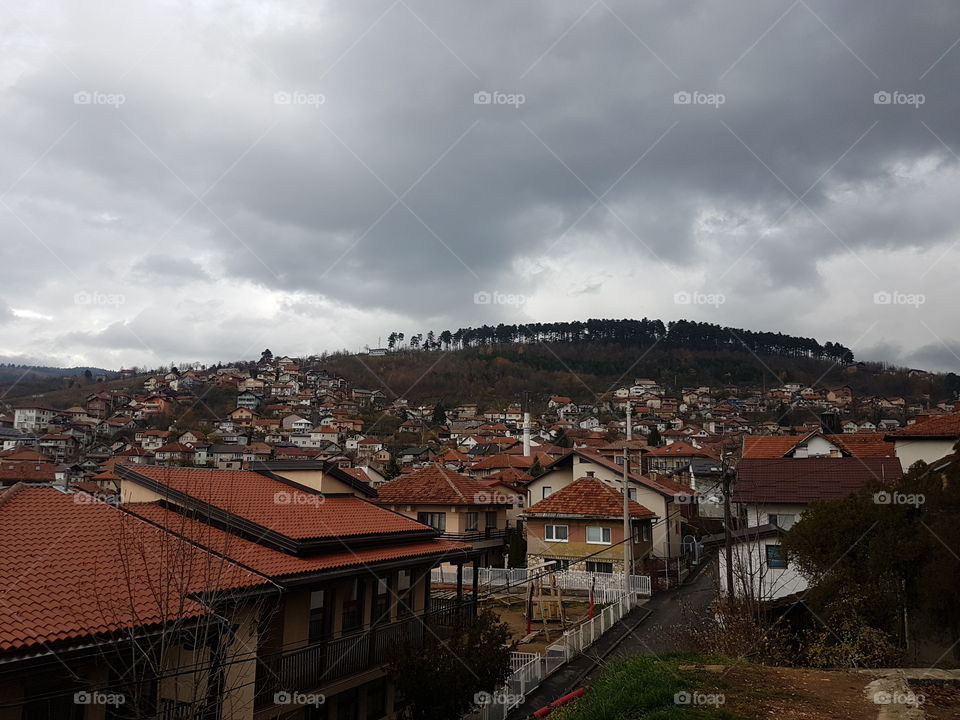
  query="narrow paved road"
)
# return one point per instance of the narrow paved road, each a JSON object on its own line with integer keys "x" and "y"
{"x": 670, "y": 610}
{"x": 658, "y": 619}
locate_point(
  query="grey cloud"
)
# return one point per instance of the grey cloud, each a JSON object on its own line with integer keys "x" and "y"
{"x": 199, "y": 159}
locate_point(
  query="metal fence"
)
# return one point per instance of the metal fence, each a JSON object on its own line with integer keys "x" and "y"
{"x": 608, "y": 586}
{"x": 530, "y": 669}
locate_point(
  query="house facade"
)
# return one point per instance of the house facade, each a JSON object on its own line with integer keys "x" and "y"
{"x": 243, "y": 583}
{"x": 581, "y": 528}
{"x": 460, "y": 507}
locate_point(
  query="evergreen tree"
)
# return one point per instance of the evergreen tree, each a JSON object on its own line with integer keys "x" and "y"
{"x": 654, "y": 437}
{"x": 439, "y": 414}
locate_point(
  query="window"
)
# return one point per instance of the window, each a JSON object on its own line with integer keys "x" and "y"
{"x": 491, "y": 520}
{"x": 436, "y": 520}
{"x": 599, "y": 567}
{"x": 381, "y": 601}
{"x": 547, "y": 491}
{"x": 556, "y": 533}
{"x": 352, "y": 617}
{"x": 404, "y": 594}
{"x": 632, "y": 493}
{"x": 782, "y": 521}
{"x": 598, "y": 535}
{"x": 559, "y": 564}
{"x": 471, "y": 523}
{"x": 319, "y": 617}
{"x": 645, "y": 532}
{"x": 775, "y": 557}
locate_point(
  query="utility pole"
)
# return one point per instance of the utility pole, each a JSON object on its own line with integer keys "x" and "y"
{"x": 627, "y": 530}
{"x": 728, "y": 475}
{"x": 526, "y": 424}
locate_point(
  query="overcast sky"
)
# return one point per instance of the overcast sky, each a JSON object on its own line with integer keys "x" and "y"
{"x": 198, "y": 181}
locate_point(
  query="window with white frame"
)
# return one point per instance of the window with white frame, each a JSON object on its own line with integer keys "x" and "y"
{"x": 598, "y": 535}
{"x": 547, "y": 491}
{"x": 556, "y": 533}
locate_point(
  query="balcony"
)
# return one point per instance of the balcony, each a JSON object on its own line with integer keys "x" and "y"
{"x": 311, "y": 667}
{"x": 476, "y": 535}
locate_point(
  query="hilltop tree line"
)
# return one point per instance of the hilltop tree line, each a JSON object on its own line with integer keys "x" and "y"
{"x": 680, "y": 334}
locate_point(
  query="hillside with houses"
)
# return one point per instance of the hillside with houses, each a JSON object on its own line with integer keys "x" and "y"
{"x": 374, "y": 513}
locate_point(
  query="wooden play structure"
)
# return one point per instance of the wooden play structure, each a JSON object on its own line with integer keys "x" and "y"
{"x": 544, "y": 600}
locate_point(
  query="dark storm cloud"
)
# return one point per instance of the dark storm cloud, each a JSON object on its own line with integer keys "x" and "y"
{"x": 339, "y": 151}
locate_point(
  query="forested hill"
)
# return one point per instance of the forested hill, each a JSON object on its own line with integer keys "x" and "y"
{"x": 493, "y": 364}
{"x": 680, "y": 334}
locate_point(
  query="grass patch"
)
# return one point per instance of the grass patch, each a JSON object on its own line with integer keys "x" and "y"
{"x": 648, "y": 688}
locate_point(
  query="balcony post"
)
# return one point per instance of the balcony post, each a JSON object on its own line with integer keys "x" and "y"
{"x": 460, "y": 582}
{"x": 476, "y": 572}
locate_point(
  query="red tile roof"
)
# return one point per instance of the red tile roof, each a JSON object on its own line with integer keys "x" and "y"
{"x": 432, "y": 484}
{"x": 27, "y": 472}
{"x": 773, "y": 446}
{"x": 805, "y": 480}
{"x": 510, "y": 475}
{"x": 941, "y": 426}
{"x": 502, "y": 460}
{"x": 856, "y": 444}
{"x": 357, "y": 473}
{"x": 20, "y": 454}
{"x": 678, "y": 449}
{"x": 589, "y": 497}
{"x": 278, "y": 506}
{"x": 71, "y": 567}
{"x": 278, "y": 564}
{"x": 864, "y": 445}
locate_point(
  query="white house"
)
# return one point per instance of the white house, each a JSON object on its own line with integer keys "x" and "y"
{"x": 927, "y": 439}
{"x": 31, "y": 418}
{"x": 761, "y": 570}
{"x": 770, "y": 495}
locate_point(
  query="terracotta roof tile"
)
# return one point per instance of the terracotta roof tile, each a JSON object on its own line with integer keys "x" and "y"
{"x": 432, "y": 485}
{"x": 277, "y": 564}
{"x": 589, "y": 497}
{"x": 941, "y": 426}
{"x": 278, "y": 506}
{"x": 678, "y": 449}
{"x": 805, "y": 480}
{"x": 73, "y": 567}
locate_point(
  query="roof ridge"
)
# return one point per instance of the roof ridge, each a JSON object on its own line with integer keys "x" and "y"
{"x": 453, "y": 486}
{"x": 10, "y": 493}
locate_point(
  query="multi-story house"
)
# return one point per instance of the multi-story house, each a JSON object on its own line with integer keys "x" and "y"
{"x": 32, "y": 418}
{"x": 219, "y": 594}
{"x": 769, "y": 496}
{"x": 585, "y": 520}
{"x": 460, "y": 507}
{"x": 671, "y": 502}
{"x": 927, "y": 439}
{"x": 248, "y": 399}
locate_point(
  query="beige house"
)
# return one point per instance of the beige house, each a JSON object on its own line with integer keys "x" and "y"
{"x": 462, "y": 508}
{"x": 585, "y": 520}
{"x": 247, "y": 597}
{"x": 667, "y": 500}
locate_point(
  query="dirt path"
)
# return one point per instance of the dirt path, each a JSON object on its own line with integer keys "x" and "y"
{"x": 795, "y": 694}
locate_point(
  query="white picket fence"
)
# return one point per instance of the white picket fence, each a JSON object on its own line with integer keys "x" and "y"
{"x": 608, "y": 586}
{"x": 530, "y": 669}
